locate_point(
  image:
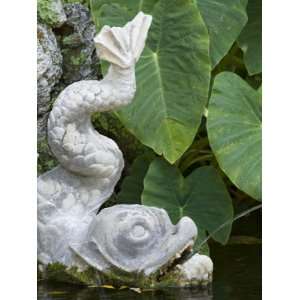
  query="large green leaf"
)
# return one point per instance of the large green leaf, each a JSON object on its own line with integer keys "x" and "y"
{"x": 118, "y": 12}
{"x": 131, "y": 6}
{"x": 105, "y": 14}
{"x": 244, "y": 3}
{"x": 201, "y": 196}
{"x": 173, "y": 77}
{"x": 133, "y": 184}
{"x": 250, "y": 38}
{"x": 234, "y": 131}
{"x": 225, "y": 20}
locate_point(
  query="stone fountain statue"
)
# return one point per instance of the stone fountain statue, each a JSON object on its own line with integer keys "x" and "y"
{"x": 124, "y": 244}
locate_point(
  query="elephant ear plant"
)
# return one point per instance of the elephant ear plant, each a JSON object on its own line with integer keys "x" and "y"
{"x": 197, "y": 110}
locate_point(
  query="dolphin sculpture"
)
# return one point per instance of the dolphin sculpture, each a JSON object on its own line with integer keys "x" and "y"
{"x": 135, "y": 240}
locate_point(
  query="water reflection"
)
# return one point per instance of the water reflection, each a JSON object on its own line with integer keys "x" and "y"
{"x": 55, "y": 292}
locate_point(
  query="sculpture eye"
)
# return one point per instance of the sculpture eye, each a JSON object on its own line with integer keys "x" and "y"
{"x": 138, "y": 231}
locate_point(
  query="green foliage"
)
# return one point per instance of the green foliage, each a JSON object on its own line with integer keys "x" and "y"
{"x": 132, "y": 185}
{"x": 234, "y": 131}
{"x": 211, "y": 158}
{"x": 117, "y": 12}
{"x": 224, "y": 19}
{"x": 250, "y": 38}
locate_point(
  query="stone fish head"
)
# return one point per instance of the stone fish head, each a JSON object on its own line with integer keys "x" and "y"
{"x": 135, "y": 239}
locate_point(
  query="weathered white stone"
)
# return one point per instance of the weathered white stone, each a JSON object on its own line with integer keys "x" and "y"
{"x": 135, "y": 238}
{"x": 123, "y": 46}
{"x": 197, "y": 270}
{"x": 128, "y": 238}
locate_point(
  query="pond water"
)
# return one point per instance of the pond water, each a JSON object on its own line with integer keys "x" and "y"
{"x": 237, "y": 276}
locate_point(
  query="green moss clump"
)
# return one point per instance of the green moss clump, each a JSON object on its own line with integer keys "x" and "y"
{"x": 50, "y": 13}
{"x": 58, "y": 272}
{"x": 78, "y": 60}
{"x": 71, "y": 40}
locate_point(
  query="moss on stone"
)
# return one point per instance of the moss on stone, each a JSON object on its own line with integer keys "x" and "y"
{"x": 79, "y": 59}
{"x": 90, "y": 277}
{"x": 83, "y": 2}
{"x": 49, "y": 13}
{"x": 71, "y": 40}
{"x": 75, "y": 59}
{"x": 59, "y": 273}
{"x": 46, "y": 161}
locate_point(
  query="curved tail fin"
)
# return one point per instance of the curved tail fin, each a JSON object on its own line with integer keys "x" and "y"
{"x": 123, "y": 45}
